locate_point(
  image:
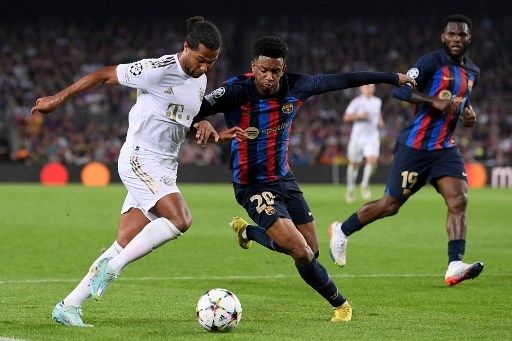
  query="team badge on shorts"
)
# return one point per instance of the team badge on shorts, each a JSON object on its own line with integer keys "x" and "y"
{"x": 406, "y": 192}
{"x": 269, "y": 210}
{"x": 287, "y": 108}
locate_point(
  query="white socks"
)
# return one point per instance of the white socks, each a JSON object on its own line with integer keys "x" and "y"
{"x": 367, "y": 173}
{"x": 351, "y": 177}
{"x": 81, "y": 291}
{"x": 154, "y": 234}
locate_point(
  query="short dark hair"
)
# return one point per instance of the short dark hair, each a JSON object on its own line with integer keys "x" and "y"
{"x": 200, "y": 31}
{"x": 270, "y": 46}
{"x": 457, "y": 18}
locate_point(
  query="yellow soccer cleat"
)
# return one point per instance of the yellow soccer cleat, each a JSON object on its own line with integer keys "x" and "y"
{"x": 238, "y": 225}
{"x": 342, "y": 313}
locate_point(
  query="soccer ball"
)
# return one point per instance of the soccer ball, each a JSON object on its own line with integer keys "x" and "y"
{"x": 218, "y": 310}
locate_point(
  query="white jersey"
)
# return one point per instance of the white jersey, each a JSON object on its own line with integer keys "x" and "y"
{"x": 365, "y": 131}
{"x": 167, "y": 102}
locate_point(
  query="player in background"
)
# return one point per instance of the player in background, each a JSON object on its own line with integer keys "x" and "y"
{"x": 169, "y": 94}
{"x": 425, "y": 150}
{"x": 263, "y": 103}
{"x": 364, "y": 112}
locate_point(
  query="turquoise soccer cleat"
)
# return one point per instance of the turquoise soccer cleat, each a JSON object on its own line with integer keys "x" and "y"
{"x": 103, "y": 276}
{"x": 68, "y": 315}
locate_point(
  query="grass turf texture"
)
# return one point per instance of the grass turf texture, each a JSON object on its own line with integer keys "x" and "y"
{"x": 394, "y": 277}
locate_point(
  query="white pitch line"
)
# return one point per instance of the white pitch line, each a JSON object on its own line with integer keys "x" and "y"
{"x": 205, "y": 278}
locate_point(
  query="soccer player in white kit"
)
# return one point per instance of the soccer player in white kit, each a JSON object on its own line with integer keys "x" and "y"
{"x": 170, "y": 90}
{"x": 364, "y": 112}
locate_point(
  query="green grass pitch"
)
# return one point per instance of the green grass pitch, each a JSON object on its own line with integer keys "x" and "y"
{"x": 394, "y": 276}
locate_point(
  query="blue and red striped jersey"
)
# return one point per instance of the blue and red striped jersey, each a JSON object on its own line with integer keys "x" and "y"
{"x": 267, "y": 120}
{"x": 437, "y": 75}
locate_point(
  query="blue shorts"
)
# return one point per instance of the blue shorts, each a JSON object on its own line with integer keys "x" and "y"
{"x": 265, "y": 203}
{"x": 412, "y": 168}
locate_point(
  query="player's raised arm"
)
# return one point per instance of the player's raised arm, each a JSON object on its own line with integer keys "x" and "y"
{"x": 340, "y": 81}
{"x": 106, "y": 75}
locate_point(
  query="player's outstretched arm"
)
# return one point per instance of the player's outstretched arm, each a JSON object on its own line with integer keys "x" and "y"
{"x": 413, "y": 96}
{"x": 106, "y": 75}
{"x": 346, "y": 80}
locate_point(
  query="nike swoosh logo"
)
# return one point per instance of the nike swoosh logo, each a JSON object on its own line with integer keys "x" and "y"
{"x": 448, "y": 78}
{"x": 464, "y": 174}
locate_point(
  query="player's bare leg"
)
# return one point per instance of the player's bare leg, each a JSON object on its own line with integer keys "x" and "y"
{"x": 173, "y": 219}
{"x": 339, "y": 231}
{"x": 454, "y": 192}
{"x": 308, "y": 231}
{"x": 284, "y": 232}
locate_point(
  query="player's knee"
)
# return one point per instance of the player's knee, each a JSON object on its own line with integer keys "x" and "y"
{"x": 182, "y": 221}
{"x": 458, "y": 202}
{"x": 390, "y": 207}
{"x": 302, "y": 254}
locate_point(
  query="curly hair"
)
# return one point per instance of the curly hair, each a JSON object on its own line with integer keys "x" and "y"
{"x": 270, "y": 46}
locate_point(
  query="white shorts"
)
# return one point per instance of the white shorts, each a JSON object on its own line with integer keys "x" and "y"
{"x": 356, "y": 150}
{"x": 147, "y": 177}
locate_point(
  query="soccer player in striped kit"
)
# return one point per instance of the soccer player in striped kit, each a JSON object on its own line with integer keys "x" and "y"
{"x": 425, "y": 150}
{"x": 264, "y": 103}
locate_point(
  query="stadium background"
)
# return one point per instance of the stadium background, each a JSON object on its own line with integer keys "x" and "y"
{"x": 48, "y": 44}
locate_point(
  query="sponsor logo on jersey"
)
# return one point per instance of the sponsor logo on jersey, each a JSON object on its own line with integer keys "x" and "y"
{"x": 287, "y": 108}
{"x": 279, "y": 127}
{"x": 445, "y": 94}
{"x": 252, "y": 133}
{"x": 269, "y": 210}
{"x": 413, "y": 73}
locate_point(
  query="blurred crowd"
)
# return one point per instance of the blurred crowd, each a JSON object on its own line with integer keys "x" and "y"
{"x": 43, "y": 56}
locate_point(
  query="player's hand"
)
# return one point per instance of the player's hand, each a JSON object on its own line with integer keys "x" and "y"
{"x": 235, "y": 133}
{"x": 362, "y": 116}
{"x": 445, "y": 105}
{"x": 403, "y": 79}
{"x": 468, "y": 118}
{"x": 45, "y": 105}
{"x": 205, "y": 131}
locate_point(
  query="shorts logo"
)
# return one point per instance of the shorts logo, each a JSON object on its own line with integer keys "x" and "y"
{"x": 413, "y": 73}
{"x": 136, "y": 69}
{"x": 269, "y": 210}
{"x": 406, "y": 192}
{"x": 445, "y": 94}
{"x": 287, "y": 108}
{"x": 252, "y": 133}
{"x": 167, "y": 180}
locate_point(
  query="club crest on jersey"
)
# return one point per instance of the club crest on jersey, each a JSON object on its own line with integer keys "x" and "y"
{"x": 445, "y": 94}
{"x": 136, "y": 69}
{"x": 287, "y": 108}
{"x": 470, "y": 84}
{"x": 252, "y": 133}
{"x": 413, "y": 73}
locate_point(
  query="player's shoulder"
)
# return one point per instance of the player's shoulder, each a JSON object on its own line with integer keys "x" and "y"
{"x": 160, "y": 62}
{"x": 472, "y": 66}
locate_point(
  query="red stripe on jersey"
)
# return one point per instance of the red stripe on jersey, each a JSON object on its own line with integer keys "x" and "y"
{"x": 443, "y": 84}
{"x": 273, "y": 122}
{"x": 463, "y": 87}
{"x": 243, "y": 146}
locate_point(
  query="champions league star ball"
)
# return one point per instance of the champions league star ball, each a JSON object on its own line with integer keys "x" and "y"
{"x": 218, "y": 310}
